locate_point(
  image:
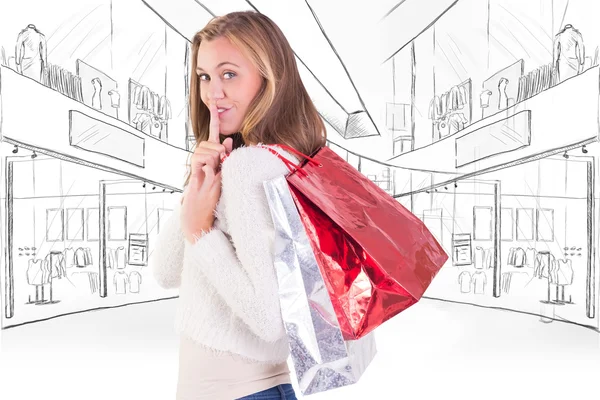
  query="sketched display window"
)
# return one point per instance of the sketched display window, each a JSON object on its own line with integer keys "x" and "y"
{"x": 117, "y": 223}
{"x": 163, "y": 216}
{"x": 75, "y": 224}
{"x": 434, "y": 221}
{"x": 545, "y": 225}
{"x": 507, "y": 224}
{"x": 54, "y": 225}
{"x": 93, "y": 224}
{"x": 525, "y": 222}
{"x": 396, "y": 116}
{"x": 482, "y": 223}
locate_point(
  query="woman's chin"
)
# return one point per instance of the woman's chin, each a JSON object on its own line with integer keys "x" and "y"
{"x": 227, "y": 131}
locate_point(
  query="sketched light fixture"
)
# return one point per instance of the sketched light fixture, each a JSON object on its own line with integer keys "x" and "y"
{"x": 565, "y": 155}
{"x": 153, "y": 187}
{"x": 16, "y": 149}
{"x": 144, "y": 185}
{"x": 584, "y": 150}
{"x": 455, "y": 184}
{"x": 34, "y": 155}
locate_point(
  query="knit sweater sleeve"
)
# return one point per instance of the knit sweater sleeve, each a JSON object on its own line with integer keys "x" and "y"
{"x": 242, "y": 269}
{"x": 166, "y": 260}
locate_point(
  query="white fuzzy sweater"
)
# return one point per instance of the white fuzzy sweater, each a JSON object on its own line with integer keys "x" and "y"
{"x": 228, "y": 290}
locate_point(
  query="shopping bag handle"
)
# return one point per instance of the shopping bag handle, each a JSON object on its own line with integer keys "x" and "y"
{"x": 291, "y": 166}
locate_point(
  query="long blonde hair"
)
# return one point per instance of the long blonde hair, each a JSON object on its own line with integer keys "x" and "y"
{"x": 282, "y": 111}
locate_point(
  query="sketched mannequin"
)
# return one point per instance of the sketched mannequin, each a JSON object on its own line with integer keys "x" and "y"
{"x": 31, "y": 53}
{"x": 97, "y": 96}
{"x": 569, "y": 53}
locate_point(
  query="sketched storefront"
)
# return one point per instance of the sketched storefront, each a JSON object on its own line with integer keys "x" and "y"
{"x": 537, "y": 216}
{"x": 496, "y": 105}
{"x": 94, "y": 146}
{"x": 84, "y": 196}
{"x": 518, "y": 208}
{"x": 512, "y": 198}
{"x": 520, "y": 237}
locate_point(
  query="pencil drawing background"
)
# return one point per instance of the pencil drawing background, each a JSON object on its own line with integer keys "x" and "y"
{"x": 480, "y": 116}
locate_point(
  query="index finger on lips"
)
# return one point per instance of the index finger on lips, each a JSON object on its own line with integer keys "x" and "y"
{"x": 208, "y": 145}
{"x": 213, "y": 133}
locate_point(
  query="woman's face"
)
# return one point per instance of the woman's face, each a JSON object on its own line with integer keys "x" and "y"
{"x": 228, "y": 79}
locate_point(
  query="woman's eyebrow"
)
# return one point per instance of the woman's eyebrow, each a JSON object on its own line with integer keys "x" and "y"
{"x": 219, "y": 66}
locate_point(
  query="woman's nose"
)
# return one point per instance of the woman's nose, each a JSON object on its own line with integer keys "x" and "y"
{"x": 215, "y": 91}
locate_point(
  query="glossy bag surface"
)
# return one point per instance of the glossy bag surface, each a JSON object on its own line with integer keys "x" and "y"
{"x": 322, "y": 359}
{"x": 377, "y": 258}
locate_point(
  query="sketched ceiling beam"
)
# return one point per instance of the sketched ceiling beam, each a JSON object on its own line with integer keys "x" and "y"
{"x": 348, "y": 120}
{"x": 201, "y": 4}
{"x": 393, "y": 9}
{"x": 308, "y": 70}
{"x": 346, "y": 114}
{"x": 407, "y": 20}
{"x": 360, "y": 99}
{"x": 183, "y": 16}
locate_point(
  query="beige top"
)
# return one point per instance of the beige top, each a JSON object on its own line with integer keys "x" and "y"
{"x": 205, "y": 374}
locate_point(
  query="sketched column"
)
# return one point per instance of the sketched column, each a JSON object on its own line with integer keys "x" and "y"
{"x": 102, "y": 222}
{"x": 9, "y": 282}
{"x": 591, "y": 243}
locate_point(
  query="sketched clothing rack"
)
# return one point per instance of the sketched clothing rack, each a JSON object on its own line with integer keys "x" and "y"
{"x": 52, "y": 267}
{"x": 550, "y": 264}
{"x": 148, "y": 111}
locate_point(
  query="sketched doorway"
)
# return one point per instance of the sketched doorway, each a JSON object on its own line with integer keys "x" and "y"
{"x": 123, "y": 238}
{"x": 132, "y": 213}
{"x": 476, "y": 233}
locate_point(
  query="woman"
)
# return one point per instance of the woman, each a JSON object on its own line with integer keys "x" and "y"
{"x": 217, "y": 247}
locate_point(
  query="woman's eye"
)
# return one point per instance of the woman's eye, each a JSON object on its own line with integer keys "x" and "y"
{"x": 228, "y": 75}
{"x": 204, "y": 77}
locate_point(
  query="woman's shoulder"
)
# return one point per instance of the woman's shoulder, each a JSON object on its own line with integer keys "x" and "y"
{"x": 256, "y": 161}
{"x": 260, "y": 152}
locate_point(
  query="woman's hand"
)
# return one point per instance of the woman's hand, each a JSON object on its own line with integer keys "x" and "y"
{"x": 204, "y": 188}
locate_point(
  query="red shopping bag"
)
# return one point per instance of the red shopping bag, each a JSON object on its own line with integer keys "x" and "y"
{"x": 376, "y": 257}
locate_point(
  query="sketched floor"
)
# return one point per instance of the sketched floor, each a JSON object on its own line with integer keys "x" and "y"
{"x": 434, "y": 350}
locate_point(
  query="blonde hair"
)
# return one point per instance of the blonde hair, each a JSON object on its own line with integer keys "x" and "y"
{"x": 282, "y": 111}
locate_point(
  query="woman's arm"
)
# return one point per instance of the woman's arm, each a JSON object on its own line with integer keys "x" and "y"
{"x": 242, "y": 270}
{"x": 166, "y": 260}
